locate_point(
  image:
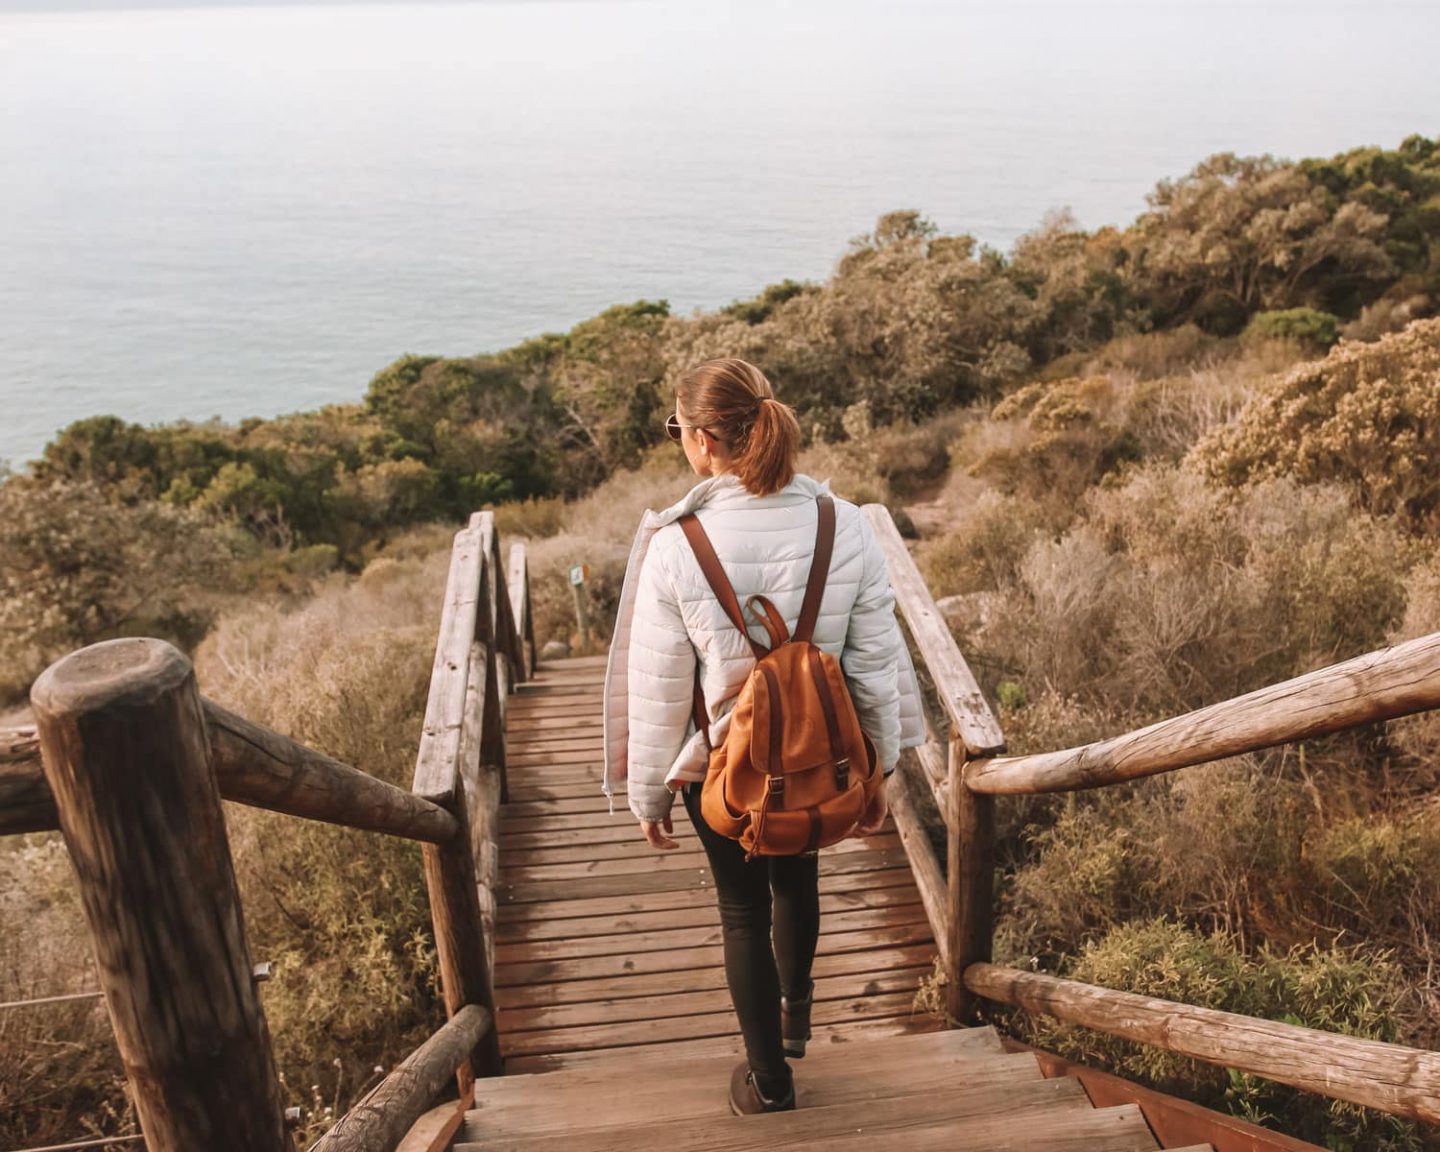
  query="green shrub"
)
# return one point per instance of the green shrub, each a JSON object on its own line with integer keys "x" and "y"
{"x": 1353, "y": 992}
{"x": 1316, "y": 331}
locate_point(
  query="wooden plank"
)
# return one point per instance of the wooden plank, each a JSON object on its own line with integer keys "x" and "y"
{"x": 257, "y": 766}
{"x": 660, "y": 879}
{"x": 518, "y": 586}
{"x": 445, "y": 708}
{"x": 382, "y": 1118}
{"x": 455, "y": 914}
{"x": 634, "y": 847}
{"x": 833, "y": 897}
{"x": 690, "y": 914}
{"x": 695, "y": 1027}
{"x": 955, "y": 684}
{"x": 704, "y": 977}
{"x": 1395, "y": 1079}
{"x": 545, "y": 760}
{"x": 970, "y": 846}
{"x": 723, "y": 1046}
{"x": 929, "y": 876}
{"x": 698, "y": 881}
{"x": 886, "y": 1041}
{"x": 694, "y": 1091}
{"x": 701, "y": 936}
{"x": 1177, "y": 1124}
{"x": 1382, "y": 685}
{"x": 25, "y": 801}
{"x": 1035, "y": 1116}
{"x": 529, "y": 723}
{"x": 693, "y": 1002}
{"x": 125, "y": 752}
{"x": 542, "y": 971}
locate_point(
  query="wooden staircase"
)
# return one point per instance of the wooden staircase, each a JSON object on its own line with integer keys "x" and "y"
{"x": 955, "y": 1090}
{"x": 615, "y": 1020}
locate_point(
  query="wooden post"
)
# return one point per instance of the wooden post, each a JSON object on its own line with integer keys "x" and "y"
{"x": 124, "y": 745}
{"x": 971, "y": 865}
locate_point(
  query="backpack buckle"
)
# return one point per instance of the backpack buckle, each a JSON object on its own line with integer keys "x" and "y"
{"x": 842, "y": 772}
{"x": 776, "y": 785}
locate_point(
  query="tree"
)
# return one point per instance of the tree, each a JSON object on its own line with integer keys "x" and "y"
{"x": 1242, "y": 235}
{"x": 76, "y": 568}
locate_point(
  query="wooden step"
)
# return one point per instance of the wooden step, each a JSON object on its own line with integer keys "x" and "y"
{"x": 703, "y": 916}
{"x": 838, "y": 966}
{"x": 722, "y": 1023}
{"x": 851, "y": 1032}
{"x": 832, "y": 1048}
{"x": 691, "y": 1002}
{"x": 697, "y": 1087}
{"x": 604, "y": 916}
{"x": 1048, "y": 1115}
{"x": 832, "y": 898}
{"x": 635, "y": 848}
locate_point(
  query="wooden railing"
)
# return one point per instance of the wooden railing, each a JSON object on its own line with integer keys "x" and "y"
{"x": 965, "y": 770}
{"x": 130, "y": 763}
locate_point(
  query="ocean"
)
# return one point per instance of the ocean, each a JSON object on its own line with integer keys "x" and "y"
{"x": 242, "y": 210}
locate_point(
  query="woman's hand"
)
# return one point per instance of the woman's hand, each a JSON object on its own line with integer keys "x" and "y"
{"x": 655, "y": 837}
{"x": 875, "y": 812}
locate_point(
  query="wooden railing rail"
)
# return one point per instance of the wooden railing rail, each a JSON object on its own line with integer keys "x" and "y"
{"x": 520, "y": 611}
{"x": 130, "y": 763}
{"x": 1382, "y": 685}
{"x": 380, "y": 1121}
{"x": 965, "y": 926}
{"x": 1390, "y": 1077}
{"x": 257, "y": 766}
{"x": 460, "y": 765}
{"x": 966, "y": 771}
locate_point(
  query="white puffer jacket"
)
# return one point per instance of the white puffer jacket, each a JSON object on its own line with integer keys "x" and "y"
{"x": 669, "y": 618}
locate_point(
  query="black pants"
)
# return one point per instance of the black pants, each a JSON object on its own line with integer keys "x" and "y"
{"x": 757, "y": 975}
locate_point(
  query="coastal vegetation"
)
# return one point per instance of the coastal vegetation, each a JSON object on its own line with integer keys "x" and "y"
{"x": 1144, "y": 468}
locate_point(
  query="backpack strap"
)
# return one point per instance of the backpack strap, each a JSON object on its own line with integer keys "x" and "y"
{"x": 819, "y": 569}
{"x": 719, "y": 582}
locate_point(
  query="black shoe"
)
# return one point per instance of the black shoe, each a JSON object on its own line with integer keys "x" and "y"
{"x": 746, "y": 1099}
{"x": 795, "y": 1022}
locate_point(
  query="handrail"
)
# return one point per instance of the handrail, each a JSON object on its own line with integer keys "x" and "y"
{"x": 445, "y": 707}
{"x": 1381, "y": 685}
{"x": 965, "y": 778}
{"x": 520, "y": 611}
{"x": 257, "y": 766}
{"x": 377, "y": 1123}
{"x": 1391, "y": 1077}
{"x": 462, "y": 714}
{"x": 107, "y": 712}
{"x": 959, "y": 692}
{"x": 966, "y": 928}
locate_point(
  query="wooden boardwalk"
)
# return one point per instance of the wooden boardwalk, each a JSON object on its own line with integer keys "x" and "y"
{"x": 604, "y": 943}
{"x": 616, "y": 1023}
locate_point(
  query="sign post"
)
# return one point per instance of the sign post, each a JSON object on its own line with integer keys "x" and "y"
{"x": 578, "y": 575}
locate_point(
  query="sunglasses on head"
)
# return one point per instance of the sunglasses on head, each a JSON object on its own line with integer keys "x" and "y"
{"x": 673, "y": 426}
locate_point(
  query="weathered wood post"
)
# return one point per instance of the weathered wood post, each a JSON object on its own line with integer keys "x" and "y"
{"x": 971, "y": 875}
{"x": 124, "y": 747}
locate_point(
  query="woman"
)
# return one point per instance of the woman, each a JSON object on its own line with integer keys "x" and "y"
{"x": 761, "y": 518}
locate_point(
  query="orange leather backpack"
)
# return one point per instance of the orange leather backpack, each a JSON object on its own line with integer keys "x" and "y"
{"x": 795, "y": 772}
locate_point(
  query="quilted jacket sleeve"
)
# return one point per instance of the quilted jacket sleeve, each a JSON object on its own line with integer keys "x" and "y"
{"x": 871, "y": 657}
{"x": 662, "y": 688}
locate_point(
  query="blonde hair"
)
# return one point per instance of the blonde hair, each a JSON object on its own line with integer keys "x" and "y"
{"x": 733, "y": 399}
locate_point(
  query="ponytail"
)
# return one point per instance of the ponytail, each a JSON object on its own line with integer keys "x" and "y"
{"x": 767, "y": 461}
{"x": 732, "y": 398}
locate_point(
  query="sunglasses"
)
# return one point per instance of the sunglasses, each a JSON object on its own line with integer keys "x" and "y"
{"x": 673, "y": 426}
